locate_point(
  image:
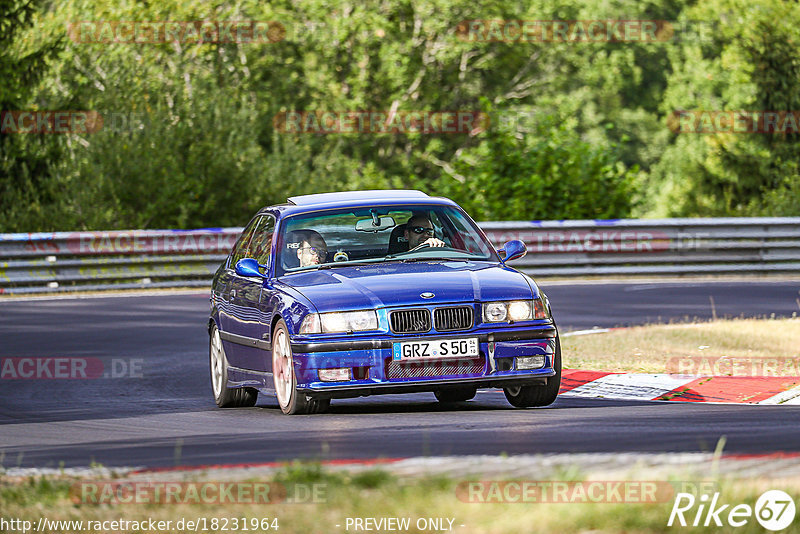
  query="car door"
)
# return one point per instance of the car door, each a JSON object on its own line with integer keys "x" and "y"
{"x": 253, "y": 295}
{"x": 240, "y": 297}
{"x": 227, "y": 287}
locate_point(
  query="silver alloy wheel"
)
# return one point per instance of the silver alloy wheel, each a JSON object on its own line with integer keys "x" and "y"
{"x": 513, "y": 390}
{"x": 282, "y": 370}
{"x": 216, "y": 364}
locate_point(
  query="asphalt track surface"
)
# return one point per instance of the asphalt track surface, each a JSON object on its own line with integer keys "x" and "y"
{"x": 165, "y": 414}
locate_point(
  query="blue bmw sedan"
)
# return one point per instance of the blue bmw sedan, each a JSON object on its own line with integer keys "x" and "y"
{"x": 359, "y": 293}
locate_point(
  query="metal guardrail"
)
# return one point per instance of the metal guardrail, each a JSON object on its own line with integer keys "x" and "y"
{"x": 655, "y": 246}
{"x": 70, "y": 261}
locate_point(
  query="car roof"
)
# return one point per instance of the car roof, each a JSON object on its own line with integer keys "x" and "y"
{"x": 354, "y": 199}
{"x": 377, "y": 195}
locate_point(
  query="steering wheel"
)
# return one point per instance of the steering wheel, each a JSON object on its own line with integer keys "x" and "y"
{"x": 424, "y": 244}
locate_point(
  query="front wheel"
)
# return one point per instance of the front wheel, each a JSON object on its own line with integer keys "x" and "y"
{"x": 291, "y": 401}
{"x": 529, "y": 396}
{"x": 224, "y": 396}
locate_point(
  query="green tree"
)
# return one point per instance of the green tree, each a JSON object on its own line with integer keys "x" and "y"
{"x": 752, "y": 63}
{"x": 25, "y": 186}
{"x": 546, "y": 173}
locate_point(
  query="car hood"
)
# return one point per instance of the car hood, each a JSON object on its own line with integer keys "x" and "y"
{"x": 401, "y": 284}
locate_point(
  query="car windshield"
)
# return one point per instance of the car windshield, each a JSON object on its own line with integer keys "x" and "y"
{"x": 337, "y": 238}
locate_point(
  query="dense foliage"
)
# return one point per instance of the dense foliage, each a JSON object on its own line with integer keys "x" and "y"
{"x": 575, "y": 130}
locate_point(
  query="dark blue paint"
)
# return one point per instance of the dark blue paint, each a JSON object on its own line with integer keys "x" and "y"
{"x": 513, "y": 250}
{"x": 247, "y": 303}
{"x": 248, "y": 267}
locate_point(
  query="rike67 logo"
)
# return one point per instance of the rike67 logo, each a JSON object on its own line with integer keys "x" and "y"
{"x": 774, "y": 510}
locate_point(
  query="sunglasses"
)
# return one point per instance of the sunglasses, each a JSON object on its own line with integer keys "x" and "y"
{"x": 423, "y": 230}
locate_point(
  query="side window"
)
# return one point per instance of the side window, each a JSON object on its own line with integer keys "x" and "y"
{"x": 241, "y": 246}
{"x": 261, "y": 243}
{"x": 464, "y": 237}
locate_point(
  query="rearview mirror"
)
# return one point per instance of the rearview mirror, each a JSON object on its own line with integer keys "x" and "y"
{"x": 248, "y": 267}
{"x": 368, "y": 225}
{"x": 512, "y": 250}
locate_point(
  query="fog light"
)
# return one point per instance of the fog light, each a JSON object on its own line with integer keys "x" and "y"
{"x": 340, "y": 374}
{"x": 530, "y": 362}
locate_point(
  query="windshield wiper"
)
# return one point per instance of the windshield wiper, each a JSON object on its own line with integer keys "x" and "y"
{"x": 344, "y": 264}
{"x": 395, "y": 257}
{"x": 412, "y": 259}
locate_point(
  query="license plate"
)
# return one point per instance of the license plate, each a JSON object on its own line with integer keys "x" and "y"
{"x": 435, "y": 348}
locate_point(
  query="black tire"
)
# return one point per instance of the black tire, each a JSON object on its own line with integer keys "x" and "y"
{"x": 530, "y": 396}
{"x": 290, "y": 401}
{"x": 458, "y": 394}
{"x": 245, "y": 397}
{"x": 224, "y": 396}
{"x": 318, "y": 405}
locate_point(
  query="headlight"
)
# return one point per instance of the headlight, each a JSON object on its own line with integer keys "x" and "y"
{"x": 519, "y": 310}
{"x": 495, "y": 312}
{"x": 336, "y": 322}
{"x": 514, "y": 310}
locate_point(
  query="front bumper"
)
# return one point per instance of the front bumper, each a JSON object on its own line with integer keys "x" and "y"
{"x": 546, "y": 332}
{"x": 373, "y": 371}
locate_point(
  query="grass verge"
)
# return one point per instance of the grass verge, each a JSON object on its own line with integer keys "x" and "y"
{"x": 648, "y": 349}
{"x": 380, "y": 494}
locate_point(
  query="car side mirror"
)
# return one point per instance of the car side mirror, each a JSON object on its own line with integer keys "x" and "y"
{"x": 512, "y": 250}
{"x": 248, "y": 267}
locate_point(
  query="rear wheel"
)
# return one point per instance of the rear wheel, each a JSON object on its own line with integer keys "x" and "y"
{"x": 224, "y": 396}
{"x": 291, "y": 401}
{"x": 529, "y": 396}
{"x": 455, "y": 394}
